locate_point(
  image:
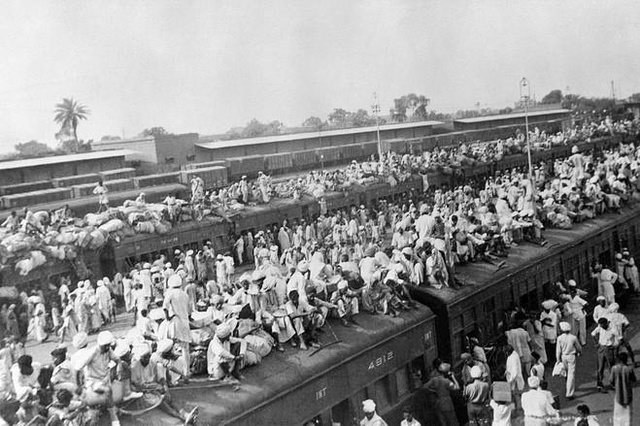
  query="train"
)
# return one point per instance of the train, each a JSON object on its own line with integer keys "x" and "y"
{"x": 385, "y": 359}
{"x": 122, "y": 255}
{"x": 389, "y": 359}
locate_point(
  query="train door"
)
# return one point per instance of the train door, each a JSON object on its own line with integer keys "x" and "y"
{"x": 341, "y": 413}
{"x": 107, "y": 261}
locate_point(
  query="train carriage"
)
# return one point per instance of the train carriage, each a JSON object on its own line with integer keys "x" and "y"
{"x": 478, "y": 307}
{"x": 383, "y": 358}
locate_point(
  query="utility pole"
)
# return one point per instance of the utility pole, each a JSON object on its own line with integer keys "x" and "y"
{"x": 375, "y": 108}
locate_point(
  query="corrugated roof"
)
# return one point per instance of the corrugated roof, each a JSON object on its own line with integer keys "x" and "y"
{"x": 58, "y": 159}
{"x": 308, "y": 135}
{"x": 510, "y": 116}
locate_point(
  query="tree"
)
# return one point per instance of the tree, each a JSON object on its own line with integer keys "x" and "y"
{"x": 338, "y": 117}
{"x": 314, "y": 122}
{"x": 553, "y": 97}
{"x": 154, "y": 131}
{"x": 274, "y": 128}
{"x": 360, "y": 118}
{"x": 635, "y": 97}
{"x": 68, "y": 114}
{"x": 110, "y": 138}
{"x": 411, "y": 106}
{"x": 253, "y": 129}
{"x": 32, "y": 149}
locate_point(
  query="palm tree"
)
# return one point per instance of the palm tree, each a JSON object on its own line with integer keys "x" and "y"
{"x": 68, "y": 114}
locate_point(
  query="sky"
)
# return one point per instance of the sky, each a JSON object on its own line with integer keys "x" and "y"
{"x": 207, "y": 66}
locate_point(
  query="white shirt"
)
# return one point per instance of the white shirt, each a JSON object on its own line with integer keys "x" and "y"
{"x": 501, "y": 413}
{"x": 536, "y": 404}
{"x": 550, "y": 333}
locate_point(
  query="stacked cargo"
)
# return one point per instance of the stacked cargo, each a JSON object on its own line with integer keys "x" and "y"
{"x": 25, "y": 187}
{"x": 303, "y": 159}
{"x": 27, "y": 199}
{"x": 213, "y": 177}
{"x": 68, "y": 181}
{"x": 278, "y": 162}
{"x": 204, "y": 165}
{"x": 117, "y": 174}
{"x": 154, "y": 180}
{"x": 116, "y": 185}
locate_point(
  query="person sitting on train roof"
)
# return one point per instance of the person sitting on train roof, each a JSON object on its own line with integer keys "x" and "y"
{"x": 224, "y": 361}
{"x": 347, "y": 302}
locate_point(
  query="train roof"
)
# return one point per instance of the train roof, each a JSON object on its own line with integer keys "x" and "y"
{"x": 478, "y": 276}
{"x": 58, "y": 159}
{"x": 307, "y": 135}
{"x": 281, "y": 373}
{"x": 491, "y": 118}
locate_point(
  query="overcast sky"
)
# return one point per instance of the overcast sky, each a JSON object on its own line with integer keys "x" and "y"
{"x": 206, "y": 66}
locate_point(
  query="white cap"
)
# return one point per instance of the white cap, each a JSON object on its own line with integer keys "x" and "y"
{"x": 476, "y": 372}
{"x": 80, "y": 340}
{"x": 174, "y": 281}
{"x": 565, "y": 326}
{"x": 533, "y": 382}
{"x": 121, "y": 349}
{"x": 105, "y": 338}
{"x": 368, "y": 406}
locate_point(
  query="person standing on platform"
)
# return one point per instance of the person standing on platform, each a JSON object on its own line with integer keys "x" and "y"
{"x": 535, "y": 405}
{"x": 371, "y": 418}
{"x": 441, "y": 385}
{"x": 567, "y": 349}
{"x": 476, "y": 394}
{"x": 601, "y": 309}
{"x": 549, "y": 320}
{"x": 623, "y": 379}
{"x": 577, "y": 305}
{"x": 103, "y": 200}
{"x": 408, "y": 419}
{"x": 513, "y": 372}
{"x": 519, "y": 340}
{"x": 605, "y": 338}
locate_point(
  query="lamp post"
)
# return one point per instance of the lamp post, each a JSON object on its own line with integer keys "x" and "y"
{"x": 375, "y": 108}
{"x": 525, "y": 95}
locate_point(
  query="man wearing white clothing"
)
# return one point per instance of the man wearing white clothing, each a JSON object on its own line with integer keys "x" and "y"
{"x": 567, "y": 349}
{"x": 514, "y": 372}
{"x": 535, "y": 405}
{"x": 178, "y": 311}
{"x": 577, "y": 305}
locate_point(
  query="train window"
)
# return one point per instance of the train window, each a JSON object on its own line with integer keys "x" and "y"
{"x": 403, "y": 382}
{"x": 385, "y": 392}
{"x": 529, "y": 301}
{"x": 418, "y": 369}
{"x": 616, "y": 240}
{"x": 341, "y": 413}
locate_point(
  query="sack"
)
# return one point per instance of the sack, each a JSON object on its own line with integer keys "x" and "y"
{"x": 559, "y": 370}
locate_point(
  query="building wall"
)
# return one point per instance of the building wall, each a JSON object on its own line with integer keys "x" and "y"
{"x": 461, "y": 126}
{"x": 311, "y": 143}
{"x": 52, "y": 171}
{"x": 176, "y": 146}
{"x": 144, "y": 146}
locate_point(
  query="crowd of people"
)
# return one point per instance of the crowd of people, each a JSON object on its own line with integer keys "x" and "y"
{"x": 194, "y": 315}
